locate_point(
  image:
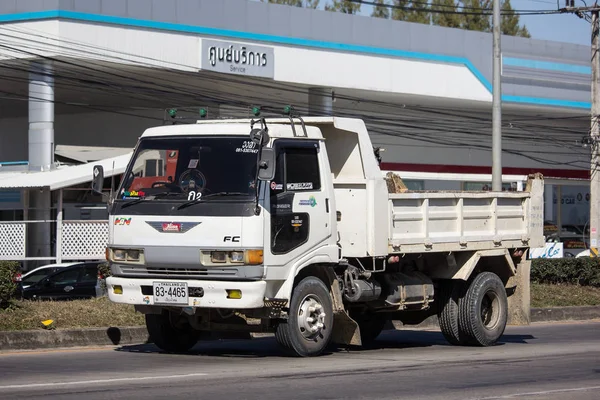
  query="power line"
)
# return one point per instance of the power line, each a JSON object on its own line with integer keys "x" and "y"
{"x": 471, "y": 129}
{"x": 481, "y": 11}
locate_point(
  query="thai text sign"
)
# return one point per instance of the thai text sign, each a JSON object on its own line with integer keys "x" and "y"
{"x": 237, "y": 58}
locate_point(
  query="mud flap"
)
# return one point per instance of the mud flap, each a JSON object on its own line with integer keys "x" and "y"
{"x": 345, "y": 329}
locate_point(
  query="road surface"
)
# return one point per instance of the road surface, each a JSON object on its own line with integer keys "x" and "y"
{"x": 541, "y": 361}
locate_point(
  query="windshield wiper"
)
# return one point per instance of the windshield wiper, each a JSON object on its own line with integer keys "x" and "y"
{"x": 217, "y": 194}
{"x": 151, "y": 197}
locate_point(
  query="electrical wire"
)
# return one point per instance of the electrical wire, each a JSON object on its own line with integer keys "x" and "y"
{"x": 480, "y": 11}
{"x": 390, "y": 120}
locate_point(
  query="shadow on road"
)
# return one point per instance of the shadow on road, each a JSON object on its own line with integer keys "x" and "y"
{"x": 267, "y": 346}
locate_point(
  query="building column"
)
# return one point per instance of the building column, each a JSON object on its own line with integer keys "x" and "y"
{"x": 548, "y": 202}
{"x": 320, "y": 102}
{"x": 41, "y": 155}
{"x": 41, "y": 117}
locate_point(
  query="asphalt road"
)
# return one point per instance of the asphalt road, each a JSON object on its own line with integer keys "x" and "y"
{"x": 542, "y": 361}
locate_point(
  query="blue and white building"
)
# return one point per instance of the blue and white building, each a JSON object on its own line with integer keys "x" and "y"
{"x": 81, "y": 79}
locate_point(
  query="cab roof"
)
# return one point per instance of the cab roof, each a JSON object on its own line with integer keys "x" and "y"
{"x": 278, "y": 127}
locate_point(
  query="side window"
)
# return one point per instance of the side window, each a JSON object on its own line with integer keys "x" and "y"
{"x": 90, "y": 274}
{"x": 68, "y": 277}
{"x": 302, "y": 169}
{"x": 297, "y": 170}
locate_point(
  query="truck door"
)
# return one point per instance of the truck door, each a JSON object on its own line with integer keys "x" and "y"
{"x": 299, "y": 202}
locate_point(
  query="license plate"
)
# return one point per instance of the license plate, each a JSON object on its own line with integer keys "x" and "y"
{"x": 170, "y": 292}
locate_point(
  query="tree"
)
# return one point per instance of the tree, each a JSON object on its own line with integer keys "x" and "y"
{"x": 476, "y": 21}
{"x": 400, "y": 14}
{"x": 417, "y": 11}
{"x": 420, "y": 12}
{"x": 381, "y": 10}
{"x": 297, "y": 3}
{"x": 445, "y": 19}
{"x": 510, "y": 22}
{"x": 344, "y": 6}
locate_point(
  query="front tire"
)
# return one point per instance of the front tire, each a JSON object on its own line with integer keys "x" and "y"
{"x": 484, "y": 310}
{"x": 307, "y": 332}
{"x": 168, "y": 337}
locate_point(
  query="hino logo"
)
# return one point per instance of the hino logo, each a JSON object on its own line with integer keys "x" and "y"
{"x": 172, "y": 227}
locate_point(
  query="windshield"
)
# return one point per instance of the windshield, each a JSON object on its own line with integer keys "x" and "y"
{"x": 177, "y": 170}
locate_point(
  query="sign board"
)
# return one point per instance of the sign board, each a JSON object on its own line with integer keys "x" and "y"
{"x": 237, "y": 58}
{"x": 551, "y": 250}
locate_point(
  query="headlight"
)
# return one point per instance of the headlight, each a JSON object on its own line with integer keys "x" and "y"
{"x": 133, "y": 255}
{"x": 126, "y": 255}
{"x": 218, "y": 257}
{"x": 232, "y": 257}
{"x": 237, "y": 256}
{"x": 119, "y": 255}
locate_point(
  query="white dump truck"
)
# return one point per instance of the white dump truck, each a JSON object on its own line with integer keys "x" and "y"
{"x": 221, "y": 228}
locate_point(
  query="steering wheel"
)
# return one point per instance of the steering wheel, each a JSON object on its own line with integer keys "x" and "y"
{"x": 192, "y": 179}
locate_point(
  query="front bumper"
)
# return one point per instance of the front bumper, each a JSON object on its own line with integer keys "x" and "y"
{"x": 214, "y": 293}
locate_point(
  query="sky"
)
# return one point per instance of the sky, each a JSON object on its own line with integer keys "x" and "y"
{"x": 556, "y": 27}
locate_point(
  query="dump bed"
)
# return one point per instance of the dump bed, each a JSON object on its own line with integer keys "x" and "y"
{"x": 454, "y": 221}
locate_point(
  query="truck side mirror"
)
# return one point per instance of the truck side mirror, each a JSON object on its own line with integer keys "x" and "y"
{"x": 98, "y": 179}
{"x": 266, "y": 165}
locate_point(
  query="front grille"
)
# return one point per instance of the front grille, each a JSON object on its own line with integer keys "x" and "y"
{"x": 178, "y": 272}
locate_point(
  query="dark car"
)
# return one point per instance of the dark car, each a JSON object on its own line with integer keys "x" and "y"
{"x": 80, "y": 281}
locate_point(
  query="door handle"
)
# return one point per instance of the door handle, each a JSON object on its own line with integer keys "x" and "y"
{"x": 68, "y": 288}
{"x": 327, "y": 205}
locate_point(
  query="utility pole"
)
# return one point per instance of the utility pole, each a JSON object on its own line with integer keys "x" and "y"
{"x": 595, "y": 122}
{"x": 595, "y": 134}
{"x": 496, "y": 104}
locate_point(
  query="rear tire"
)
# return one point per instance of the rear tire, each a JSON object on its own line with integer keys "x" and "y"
{"x": 484, "y": 310}
{"x": 167, "y": 337}
{"x": 450, "y": 294}
{"x": 307, "y": 331}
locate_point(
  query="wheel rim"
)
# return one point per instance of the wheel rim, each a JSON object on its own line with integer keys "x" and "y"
{"x": 311, "y": 317}
{"x": 490, "y": 310}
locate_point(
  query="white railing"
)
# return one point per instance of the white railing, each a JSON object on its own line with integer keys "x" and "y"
{"x": 73, "y": 240}
{"x": 12, "y": 240}
{"x": 83, "y": 239}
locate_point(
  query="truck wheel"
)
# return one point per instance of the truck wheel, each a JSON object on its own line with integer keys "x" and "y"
{"x": 307, "y": 332}
{"x": 370, "y": 326}
{"x": 484, "y": 310}
{"x": 167, "y": 337}
{"x": 450, "y": 292}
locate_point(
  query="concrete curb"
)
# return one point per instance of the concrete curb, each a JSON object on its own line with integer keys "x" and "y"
{"x": 44, "y": 339}
{"x": 552, "y": 314}
{"x": 113, "y": 336}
